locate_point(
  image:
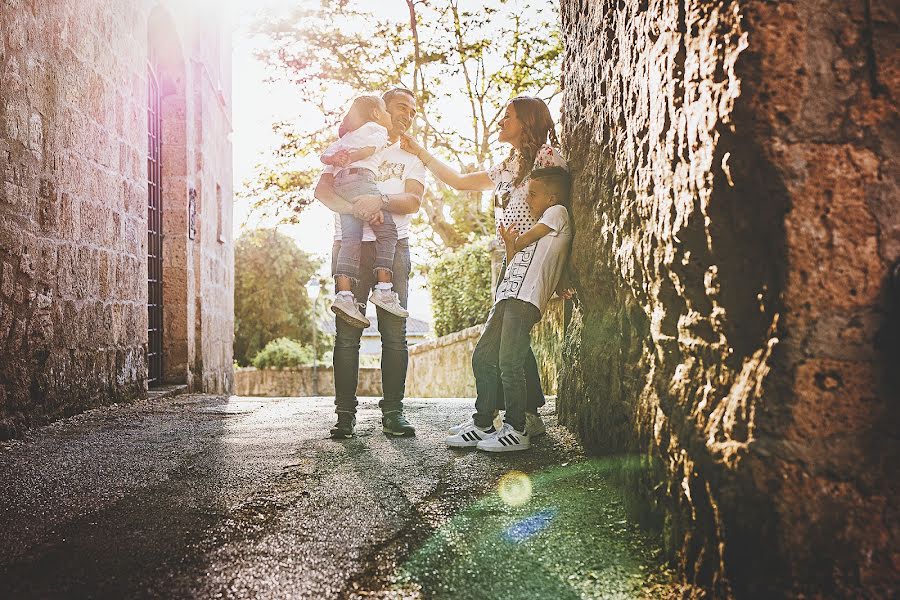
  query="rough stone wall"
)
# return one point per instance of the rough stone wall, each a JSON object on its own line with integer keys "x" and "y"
{"x": 736, "y": 215}
{"x": 275, "y": 383}
{"x": 73, "y": 206}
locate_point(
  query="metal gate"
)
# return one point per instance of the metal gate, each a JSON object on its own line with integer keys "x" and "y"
{"x": 154, "y": 231}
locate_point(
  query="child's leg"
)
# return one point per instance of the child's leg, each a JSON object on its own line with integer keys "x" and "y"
{"x": 486, "y": 366}
{"x": 385, "y": 247}
{"x": 347, "y": 271}
{"x": 515, "y": 345}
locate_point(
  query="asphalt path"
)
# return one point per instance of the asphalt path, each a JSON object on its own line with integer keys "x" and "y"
{"x": 213, "y": 497}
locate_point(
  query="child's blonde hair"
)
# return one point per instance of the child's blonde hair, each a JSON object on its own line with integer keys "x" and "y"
{"x": 360, "y": 113}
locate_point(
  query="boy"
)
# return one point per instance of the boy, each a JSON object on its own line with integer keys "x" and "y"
{"x": 536, "y": 261}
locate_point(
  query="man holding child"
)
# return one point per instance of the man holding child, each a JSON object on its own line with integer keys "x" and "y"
{"x": 531, "y": 191}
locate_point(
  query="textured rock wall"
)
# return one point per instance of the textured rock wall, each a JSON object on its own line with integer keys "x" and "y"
{"x": 737, "y": 212}
{"x": 283, "y": 383}
{"x": 73, "y": 205}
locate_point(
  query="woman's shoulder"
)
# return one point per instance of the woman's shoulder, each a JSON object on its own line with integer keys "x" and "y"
{"x": 548, "y": 156}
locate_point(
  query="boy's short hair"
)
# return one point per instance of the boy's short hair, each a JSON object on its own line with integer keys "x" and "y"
{"x": 557, "y": 180}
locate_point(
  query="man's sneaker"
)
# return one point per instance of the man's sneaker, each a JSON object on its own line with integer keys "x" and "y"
{"x": 394, "y": 423}
{"x": 534, "y": 425}
{"x": 469, "y": 436}
{"x": 343, "y": 429}
{"x": 505, "y": 440}
{"x": 389, "y": 301}
{"x": 346, "y": 308}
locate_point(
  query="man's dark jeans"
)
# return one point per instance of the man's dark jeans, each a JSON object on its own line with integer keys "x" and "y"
{"x": 394, "y": 354}
{"x": 500, "y": 358}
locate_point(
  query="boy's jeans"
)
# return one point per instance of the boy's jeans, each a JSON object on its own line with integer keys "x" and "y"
{"x": 500, "y": 358}
{"x": 350, "y": 186}
{"x": 394, "y": 353}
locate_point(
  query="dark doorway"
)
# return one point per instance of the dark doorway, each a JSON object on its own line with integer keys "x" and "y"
{"x": 154, "y": 230}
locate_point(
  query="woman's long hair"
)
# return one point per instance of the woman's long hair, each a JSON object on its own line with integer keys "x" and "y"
{"x": 537, "y": 129}
{"x": 360, "y": 113}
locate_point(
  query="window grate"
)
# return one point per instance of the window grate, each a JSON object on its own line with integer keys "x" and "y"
{"x": 154, "y": 231}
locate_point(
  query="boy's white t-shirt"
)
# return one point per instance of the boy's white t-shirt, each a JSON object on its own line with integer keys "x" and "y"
{"x": 533, "y": 273}
{"x": 368, "y": 134}
{"x": 397, "y": 165}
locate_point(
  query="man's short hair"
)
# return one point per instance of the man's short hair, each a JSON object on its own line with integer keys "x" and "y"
{"x": 557, "y": 180}
{"x": 397, "y": 91}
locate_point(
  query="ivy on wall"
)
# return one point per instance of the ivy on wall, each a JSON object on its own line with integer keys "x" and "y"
{"x": 460, "y": 285}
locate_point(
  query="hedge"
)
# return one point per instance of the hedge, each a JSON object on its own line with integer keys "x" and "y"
{"x": 460, "y": 285}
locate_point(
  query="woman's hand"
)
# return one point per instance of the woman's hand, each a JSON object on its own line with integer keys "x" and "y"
{"x": 410, "y": 145}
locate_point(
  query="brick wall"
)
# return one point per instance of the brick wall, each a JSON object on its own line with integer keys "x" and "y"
{"x": 73, "y": 194}
{"x": 737, "y": 211}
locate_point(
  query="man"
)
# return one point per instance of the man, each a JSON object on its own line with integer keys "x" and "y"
{"x": 401, "y": 181}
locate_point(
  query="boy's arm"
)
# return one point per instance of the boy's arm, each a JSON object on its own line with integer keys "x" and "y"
{"x": 515, "y": 243}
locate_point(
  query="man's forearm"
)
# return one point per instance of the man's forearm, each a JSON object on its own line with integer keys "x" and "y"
{"x": 326, "y": 195}
{"x": 405, "y": 203}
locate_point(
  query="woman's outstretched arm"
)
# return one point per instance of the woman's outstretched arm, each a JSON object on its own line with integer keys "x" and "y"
{"x": 464, "y": 182}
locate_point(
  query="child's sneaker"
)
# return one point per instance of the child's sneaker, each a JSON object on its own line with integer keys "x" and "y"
{"x": 389, "y": 301}
{"x": 470, "y": 436}
{"x": 534, "y": 425}
{"x": 346, "y": 308}
{"x": 498, "y": 423}
{"x": 505, "y": 440}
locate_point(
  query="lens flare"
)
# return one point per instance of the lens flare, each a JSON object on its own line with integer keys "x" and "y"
{"x": 514, "y": 488}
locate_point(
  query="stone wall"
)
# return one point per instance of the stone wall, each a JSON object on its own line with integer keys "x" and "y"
{"x": 736, "y": 211}
{"x": 73, "y": 203}
{"x": 281, "y": 383}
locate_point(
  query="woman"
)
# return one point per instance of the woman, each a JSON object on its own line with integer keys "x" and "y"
{"x": 528, "y": 127}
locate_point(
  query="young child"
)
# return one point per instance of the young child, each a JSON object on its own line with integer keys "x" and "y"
{"x": 536, "y": 261}
{"x": 356, "y": 157}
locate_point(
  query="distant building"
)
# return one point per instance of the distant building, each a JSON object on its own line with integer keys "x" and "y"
{"x": 116, "y": 258}
{"x": 417, "y": 331}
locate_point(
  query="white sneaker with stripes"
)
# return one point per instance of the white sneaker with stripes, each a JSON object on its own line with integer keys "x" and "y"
{"x": 469, "y": 436}
{"x": 505, "y": 440}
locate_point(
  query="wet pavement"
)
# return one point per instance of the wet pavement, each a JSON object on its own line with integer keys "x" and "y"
{"x": 210, "y": 497}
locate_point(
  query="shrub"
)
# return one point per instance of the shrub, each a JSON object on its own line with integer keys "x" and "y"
{"x": 460, "y": 285}
{"x": 283, "y": 353}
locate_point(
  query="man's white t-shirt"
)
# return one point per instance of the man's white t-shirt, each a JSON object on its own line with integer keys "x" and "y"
{"x": 397, "y": 165}
{"x": 534, "y": 272}
{"x": 368, "y": 134}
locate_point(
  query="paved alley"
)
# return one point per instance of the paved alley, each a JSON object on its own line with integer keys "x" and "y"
{"x": 210, "y": 497}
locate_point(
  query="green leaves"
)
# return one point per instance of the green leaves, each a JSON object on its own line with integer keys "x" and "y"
{"x": 283, "y": 353}
{"x": 460, "y": 286}
{"x": 270, "y": 299}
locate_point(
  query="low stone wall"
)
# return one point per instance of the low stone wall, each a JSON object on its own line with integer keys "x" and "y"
{"x": 276, "y": 383}
{"x": 443, "y": 368}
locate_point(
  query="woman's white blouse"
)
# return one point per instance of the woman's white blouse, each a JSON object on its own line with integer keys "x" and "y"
{"x": 510, "y": 207}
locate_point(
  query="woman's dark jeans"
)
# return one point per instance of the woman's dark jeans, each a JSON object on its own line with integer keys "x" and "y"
{"x": 394, "y": 353}
{"x": 499, "y": 360}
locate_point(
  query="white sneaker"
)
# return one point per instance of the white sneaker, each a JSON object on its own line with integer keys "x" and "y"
{"x": 505, "y": 440}
{"x": 534, "y": 425}
{"x": 498, "y": 423}
{"x": 470, "y": 436}
{"x": 458, "y": 428}
{"x": 389, "y": 301}
{"x": 346, "y": 308}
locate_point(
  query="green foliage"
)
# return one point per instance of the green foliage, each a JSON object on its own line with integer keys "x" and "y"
{"x": 283, "y": 353}
{"x": 460, "y": 285}
{"x": 270, "y": 299}
{"x": 464, "y": 60}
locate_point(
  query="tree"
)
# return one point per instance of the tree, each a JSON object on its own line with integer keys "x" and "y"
{"x": 450, "y": 53}
{"x": 270, "y": 299}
